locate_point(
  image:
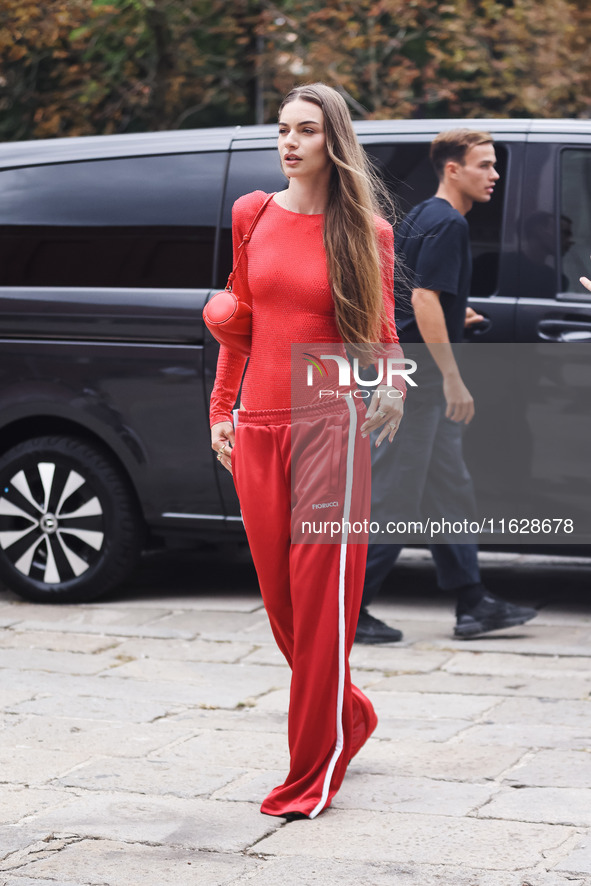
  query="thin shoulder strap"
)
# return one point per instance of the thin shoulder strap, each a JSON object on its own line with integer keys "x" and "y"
{"x": 246, "y": 238}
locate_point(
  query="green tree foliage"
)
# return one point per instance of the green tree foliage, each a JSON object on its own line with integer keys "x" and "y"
{"x": 465, "y": 58}
{"x": 77, "y": 67}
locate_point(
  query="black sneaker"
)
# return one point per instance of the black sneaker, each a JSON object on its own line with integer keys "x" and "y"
{"x": 372, "y": 630}
{"x": 491, "y": 614}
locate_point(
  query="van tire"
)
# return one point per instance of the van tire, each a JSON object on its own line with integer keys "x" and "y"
{"x": 70, "y": 528}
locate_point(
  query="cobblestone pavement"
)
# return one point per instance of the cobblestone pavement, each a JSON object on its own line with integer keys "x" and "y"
{"x": 139, "y": 734}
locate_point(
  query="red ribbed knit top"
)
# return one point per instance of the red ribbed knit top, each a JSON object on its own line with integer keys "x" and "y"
{"x": 283, "y": 275}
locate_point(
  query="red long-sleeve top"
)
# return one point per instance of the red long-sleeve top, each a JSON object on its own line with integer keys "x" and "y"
{"x": 283, "y": 275}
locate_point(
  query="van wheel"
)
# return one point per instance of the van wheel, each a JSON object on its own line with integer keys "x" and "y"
{"x": 69, "y": 527}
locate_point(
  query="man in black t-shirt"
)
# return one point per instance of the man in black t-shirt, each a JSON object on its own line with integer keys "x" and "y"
{"x": 422, "y": 473}
{"x": 433, "y": 241}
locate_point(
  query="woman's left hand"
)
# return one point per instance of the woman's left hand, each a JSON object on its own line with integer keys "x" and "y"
{"x": 386, "y": 408}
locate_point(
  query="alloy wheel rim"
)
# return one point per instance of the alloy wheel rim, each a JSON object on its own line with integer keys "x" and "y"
{"x": 51, "y": 522}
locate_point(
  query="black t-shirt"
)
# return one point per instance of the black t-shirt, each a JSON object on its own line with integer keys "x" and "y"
{"x": 433, "y": 242}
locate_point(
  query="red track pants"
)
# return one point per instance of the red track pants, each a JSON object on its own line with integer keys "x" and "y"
{"x": 310, "y": 465}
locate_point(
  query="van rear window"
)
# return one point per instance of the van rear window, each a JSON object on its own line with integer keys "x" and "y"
{"x": 575, "y": 217}
{"x": 139, "y": 222}
{"x": 407, "y": 170}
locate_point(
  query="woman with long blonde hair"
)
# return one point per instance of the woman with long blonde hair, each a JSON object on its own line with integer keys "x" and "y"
{"x": 318, "y": 273}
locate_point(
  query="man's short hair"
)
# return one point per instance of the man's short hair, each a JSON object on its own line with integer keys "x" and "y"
{"x": 454, "y": 144}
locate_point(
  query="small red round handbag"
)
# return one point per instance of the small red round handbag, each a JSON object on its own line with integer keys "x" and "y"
{"x": 229, "y": 321}
{"x": 227, "y": 317}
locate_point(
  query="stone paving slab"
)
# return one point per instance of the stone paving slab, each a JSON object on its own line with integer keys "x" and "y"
{"x": 554, "y": 879}
{"x": 57, "y": 662}
{"x": 27, "y": 881}
{"x": 394, "y": 659}
{"x": 18, "y": 802}
{"x": 571, "y": 712}
{"x": 514, "y": 664}
{"x": 579, "y": 860}
{"x": 241, "y": 749}
{"x": 65, "y": 685}
{"x": 24, "y": 766}
{"x": 432, "y": 635}
{"x": 9, "y": 613}
{"x": 248, "y": 718}
{"x": 11, "y": 697}
{"x": 252, "y": 787}
{"x": 211, "y": 825}
{"x": 57, "y": 641}
{"x": 86, "y": 619}
{"x": 192, "y": 600}
{"x": 523, "y": 685}
{"x": 217, "y": 625}
{"x": 530, "y": 638}
{"x": 183, "y": 777}
{"x": 16, "y": 838}
{"x": 569, "y": 806}
{"x": 560, "y": 769}
{"x": 93, "y": 707}
{"x": 264, "y": 654}
{"x": 433, "y": 610}
{"x": 215, "y": 683}
{"x": 399, "y": 729}
{"x": 430, "y": 705}
{"x": 334, "y": 872}
{"x": 437, "y": 760}
{"x": 115, "y": 739}
{"x": 205, "y": 683}
{"x": 211, "y": 684}
{"x": 528, "y": 735}
{"x": 99, "y": 862}
{"x": 407, "y": 794}
{"x": 424, "y": 839}
{"x": 229, "y": 651}
{"x": 573, "y": 615}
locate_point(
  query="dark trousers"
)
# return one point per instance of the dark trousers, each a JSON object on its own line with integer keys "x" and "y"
{"x": 421, "y": 475}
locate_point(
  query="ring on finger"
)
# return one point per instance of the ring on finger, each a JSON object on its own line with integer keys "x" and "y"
{"x": 220, "y": 456}
{"x": 381, "y": 413}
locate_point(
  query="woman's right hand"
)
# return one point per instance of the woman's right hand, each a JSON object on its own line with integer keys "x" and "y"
{"x": 386, "y": 408}
{"x": 222, "y": 442}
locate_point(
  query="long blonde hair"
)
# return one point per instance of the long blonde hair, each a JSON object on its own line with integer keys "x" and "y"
{"x": 356, "y": 196}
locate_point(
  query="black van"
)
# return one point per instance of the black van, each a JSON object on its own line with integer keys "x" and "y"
{"x": 109, "y": 248}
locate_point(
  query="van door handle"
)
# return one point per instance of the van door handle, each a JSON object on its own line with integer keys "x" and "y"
{"x": 564, "y": 330}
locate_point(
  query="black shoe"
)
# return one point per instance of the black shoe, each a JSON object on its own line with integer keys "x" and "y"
{"x": 372, "y": 630}
{"x": 491, "y": 614}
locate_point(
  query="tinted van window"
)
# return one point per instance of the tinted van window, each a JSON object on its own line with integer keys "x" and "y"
{"x": 256, "y": 170}
{"x": 407, "y": 170}
{"x": 142, "y": 221}
{"x": 409, "y": 174}
{"x": 575, "y": 217}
